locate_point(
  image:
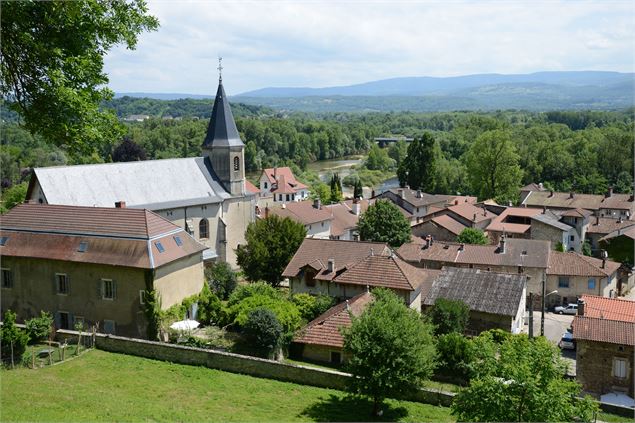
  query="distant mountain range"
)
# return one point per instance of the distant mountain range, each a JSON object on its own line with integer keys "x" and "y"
{"x": 536, "y": 91}
{"x": 164, "y": 96}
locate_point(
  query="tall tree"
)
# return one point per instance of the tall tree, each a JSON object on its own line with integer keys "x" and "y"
{"x": 358, "y": 190}
{"x": 392, "y": 349}
{"x": 52, "y": 65}
{"x": 472, "y": 236}
{"x": 384, "y": 222}
{"x": 271, "y": 242}
{"x": 418, "y": 169}
{"x": 336, "y": 189}
{"x": 128, "y": 151}
{"x": 378, "y": 159}
{"x": 492, "y": 164}
{"x": 522, "y": 380}
{"x": 449, "y": 316}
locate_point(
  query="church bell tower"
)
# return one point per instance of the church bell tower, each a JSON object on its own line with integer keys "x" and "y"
{"x": 223, "y": 145}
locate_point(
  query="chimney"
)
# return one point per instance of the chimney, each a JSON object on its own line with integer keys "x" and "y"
{"x": 620, "y": 219}
{"x": 427, "y": 242}
{"x": 501, "y": 245}
{"x": 609, "y": 193}
{"x": 461, "y": 247}
{"x": 456, "y": 202}
{"x": 275, "y": 173}
{"x": 544, "y": 209}
{"x": 597, "y": 219}
{"x": 348, "y": 306}
{"x": 571, "y": 194}
{"x": 372, "y": 251}
{"x": 284, "y": 206}
{"x": 603, "y": 262}
{"x": 474, "y": 218}
{"x": 401, "y": 193}
{"x": 266, "y": 212}
{"x": 540, "y": 186}
{"x": 331, "y": 265}
{"x": 317, "y": 204}
{"x": 580, "y": 307}
{"x": 257, "y": 211}
{"x": 372, "y": 194}
{"x": 550, "y": 193}
{"x": 356, "y": 207}
{"x": 120, "y": 204}
{"x": 419, "y": 194}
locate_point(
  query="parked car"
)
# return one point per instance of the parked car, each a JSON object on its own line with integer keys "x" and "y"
{"x": 569, "y": 309}
{"x": 567, "y": 342}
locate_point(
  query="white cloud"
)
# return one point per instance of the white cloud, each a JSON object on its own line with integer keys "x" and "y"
{"x": 323, "y": 43}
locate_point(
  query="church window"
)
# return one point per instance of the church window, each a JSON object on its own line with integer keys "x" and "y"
{"x": 236, "y": 163}
{"x": 203, "y": 229}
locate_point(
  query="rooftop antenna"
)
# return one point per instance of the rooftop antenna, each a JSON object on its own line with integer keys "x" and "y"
{"x": 220, "y": 69}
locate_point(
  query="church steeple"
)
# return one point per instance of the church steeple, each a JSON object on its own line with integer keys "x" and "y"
{"x": 222, "y": 144}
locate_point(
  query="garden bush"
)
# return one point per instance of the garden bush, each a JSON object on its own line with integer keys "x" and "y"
{"x": 13, "y": 340}
{"x": 209, "y": 307}
{"x": 221, "y": 279}
{"x": 311, "y": 306}
{"x": 285, "y": 311}
{"x": 39, "y": 328}
{"x": 455, "y": 356}
{"x": 265, "y": 331}
{"x": 249, "y": 290}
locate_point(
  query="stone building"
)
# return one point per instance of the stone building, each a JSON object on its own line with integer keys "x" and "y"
{"x": 204, "y": 195}
{"x": 93, "y": 265}
{"x": 548, "y": 226}
{"x": 604, "y": 331}
{"x": 608, "y": 205}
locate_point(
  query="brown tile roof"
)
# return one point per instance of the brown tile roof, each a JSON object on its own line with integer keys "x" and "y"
{"x": 319, "y": 251}
{"x": 609, "y": 308}
{"x": 488, "y": 292}
{"x": 448, "y": 223}
{"x": 627, "y": 232}
{"x": 343, "y": 217}
{"x": 574, "y": 264}
{"x": 499, "y": 225}
{"x": 532, "y": 187}
{"x": 583, "y": 213}
{"x": 249, "y": 187}
{"x": 325, "y": 329}
{"x": 603, "y": 330}
{"x": 605, "y": 225}
{"x": 303, "y": 212}
{"x": 469, "y": 211}
{"x": 418, "y": 198}
{"x": 518, "y": 252}
{"x": 283, "y": 187}
{"x": 388, "y": 272}
{"x": 56, "y": 232}
{"x": 564, "y": 200}
{"x": 288, "y": 177}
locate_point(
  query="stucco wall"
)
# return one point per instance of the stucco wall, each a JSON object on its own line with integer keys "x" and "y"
{"x": 542, "y": 231}
{"x": 320, "y": 230}
{"x": 439, "y": 233}
{"x": 594, "y": 366}
{"x": 178, "y": 280}
{"x": 578, "y": 285}
{"x": 237, "y": 214}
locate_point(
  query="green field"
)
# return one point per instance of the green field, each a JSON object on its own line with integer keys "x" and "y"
{"x": 101, "y": 386}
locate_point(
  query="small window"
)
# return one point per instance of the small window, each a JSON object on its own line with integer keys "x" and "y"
{"x": 288, "y": 197}
{"x": 336, "y": 357}
{"x": 266, "y": 185}
{"x": 109, "y": 326}
{"x": 159, "y": 246}
{"x": 178, "y": 240}
{"x": 61, "y": 283}
{"x": 7, "y": 278}
{"x": 236, "y": 163}
{"x": 309, "y": 278}
{"x": 142, "y": 296}
{"x": 3, "y": 241}
{"x": 591, "y": 283}
{"x": 83, "y": 246}
{"x": 107, "y": 289}
{"x": 203, "y": 229}
{"x": 64, "y": 320}
{"x": 619, "y": 368}
{"x": 572, "y": 238}
{"x": 563, "y": 282}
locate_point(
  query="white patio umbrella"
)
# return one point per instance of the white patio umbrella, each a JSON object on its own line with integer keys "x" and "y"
{"x": 185, "y": 325}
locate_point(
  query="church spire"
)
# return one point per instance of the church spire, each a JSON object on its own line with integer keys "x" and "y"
{"x": 221, "y": 130}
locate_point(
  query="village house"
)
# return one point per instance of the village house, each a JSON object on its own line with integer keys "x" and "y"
{"x": 620, "y": 245}
{"x": 573, "y": 275}
{"x": 321, "y": 339}
{"x": 317, "y": 219}
{"x": 600, "y": 227}
{"x": 204, "y": 195}
{"x": 446, "y": 224}
{"x": 93, "y": 265}
{"x": 609, "y": 205}
{"x": 345, "y": 218}
{"x": 496, "y": 300}
{"x": 280, "y": 184}
{"x": 513, "y": 222}
{"x": 548, "y": 226}
{"x": 604, "y": 331}
{"x": 520, "y": 256}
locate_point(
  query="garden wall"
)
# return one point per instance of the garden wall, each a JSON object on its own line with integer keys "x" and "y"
{"x": 243, "y": 364}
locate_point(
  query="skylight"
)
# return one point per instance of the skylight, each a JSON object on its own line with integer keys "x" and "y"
{"x": 3, "y": 240}
{"x": 178, "y": 240}
{"x": 83, "y": 246}
{"x": 159, "y": 246}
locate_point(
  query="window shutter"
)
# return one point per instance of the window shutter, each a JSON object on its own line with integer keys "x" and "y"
{"x": 71, "y": 322}
{"x": 68, "y": 285}
{"x": 57, "y": 319}
{"x": 114, "y": 289}
{"x": 54, "y": 284}
{"x": 99, "y": 287}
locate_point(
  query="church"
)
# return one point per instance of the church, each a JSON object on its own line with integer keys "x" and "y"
{"x": 204, "y": 195}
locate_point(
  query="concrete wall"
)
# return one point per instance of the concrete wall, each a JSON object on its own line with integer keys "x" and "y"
{"x": 578, "y": 285}
{"x": 34, "y": 290}
{"x": 320, "y": 230}
{"x": 594, "y": 367}
{"x": 178, "y": 280}
{"x": 542, "y": 231}
{"x": 481, "y": 322}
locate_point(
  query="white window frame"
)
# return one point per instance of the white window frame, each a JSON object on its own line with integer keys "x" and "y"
{"x": 103, "y": 289}
{"x": 620, "y": 368}
{"x": 10, "y": 272}
{"x": 57, "y": 283}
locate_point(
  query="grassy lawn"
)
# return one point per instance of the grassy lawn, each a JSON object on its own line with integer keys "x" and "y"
{"x": 101, "y": 386}
{"x": 612, "y": 418}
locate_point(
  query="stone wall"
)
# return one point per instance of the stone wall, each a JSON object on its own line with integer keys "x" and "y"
{"x": 594, "y": 367}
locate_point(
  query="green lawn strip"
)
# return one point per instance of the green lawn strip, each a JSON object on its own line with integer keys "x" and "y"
{"x": 614, "y": 418}
{"x": 102, "y": 386}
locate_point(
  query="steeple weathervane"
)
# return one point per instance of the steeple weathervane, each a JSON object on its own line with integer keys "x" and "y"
{"x": 220, "y": 69}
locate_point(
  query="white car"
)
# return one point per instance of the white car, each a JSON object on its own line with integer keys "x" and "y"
{"x": 569, "y": 309}
{"x": 567, "y": 342}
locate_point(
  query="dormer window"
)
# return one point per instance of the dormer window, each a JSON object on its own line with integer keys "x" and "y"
{"x": 236, "y": 163}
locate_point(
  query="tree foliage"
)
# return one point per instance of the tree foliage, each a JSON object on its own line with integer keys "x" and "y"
{"x": 221, "y": 279}
{"x": 311, "y": 306}
{"x": 522, "y": 380}
{"x": 209, "y": 306}
{"x": 285, "y": 311}
{"x": 392, "y": 349}
{"x": 39, "y": 328}
{"x": 128, "y": 151}
{"x": 449, "y": 316}
{"x": 251, "y": 289}
{"x": 378, "y": 159}
{"x": 492, "y": 164}
{"x": 383, "y": 222}
{"x": 52, "y": 65}
{"x": 271, "y": 242}
{"x": 263, "y": 328}
{"x": 472, "y": 236}
{"x": 419, "y": 169}
{"x": 336, "y": 189}
{"x": 13, "y": 340}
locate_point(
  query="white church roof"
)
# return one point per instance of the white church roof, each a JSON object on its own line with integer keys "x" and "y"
{"x": 152, "y": 184}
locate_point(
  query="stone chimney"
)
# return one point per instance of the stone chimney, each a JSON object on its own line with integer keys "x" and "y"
{"x": 317, "y": 204}
{"x": 461, "y": 247}
{"x": 120, "y": 204}
{"x": 580, "y": 307}
{"x": 401, "y": 194}
{"x": 372, "y": 251}
{"x": 501, "y": 245}
{"x": 419, "y": 194}
{"x": 603, "y": 262}
{"x": 356, "y": 207}
{"x": 348, "y": 306}
{"x": 331, "y": 265}
{"x": 474, "y": 218}
{"x": 609, "y": 193}
{"x": 550, "y": 193}
{"x": 571, "y": 194}
{"x": 597, "y": 219}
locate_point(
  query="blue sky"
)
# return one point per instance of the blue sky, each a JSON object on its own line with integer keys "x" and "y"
{"x": 326, "y": 43}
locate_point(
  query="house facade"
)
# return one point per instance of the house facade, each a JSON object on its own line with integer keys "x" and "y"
{"x": 206, "y": 195}
{"x": 317, "y": 219}
{"x": 280, "y": 184}
{"x": 94, "y": 265}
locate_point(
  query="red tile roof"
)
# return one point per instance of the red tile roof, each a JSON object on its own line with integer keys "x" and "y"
{"x": 574, "y": 264}
{"x": 579, "y": 212}
{"x": 603, "y": 330}
{"x": 317, "y": 252}
{"x": 609, "y": 308}
{"x": 325, "y": 330}
{"x": 388, "y": 272}
{"x": 343, "y": 217}
{"x": 249, "y": 187}
{"x": 448, "y": 223}
{"x": 499, "y": 225}
{"x": 285, "y": 178}
{"x": 564, "y": 200}
{"x": 303, "y": 212}
{"x": 469, "y": 211}
{"x": 604, "y": 225}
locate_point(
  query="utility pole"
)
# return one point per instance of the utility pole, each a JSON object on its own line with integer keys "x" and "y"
{"x": 542, "y": 314}
{"x": 531, "y": 315}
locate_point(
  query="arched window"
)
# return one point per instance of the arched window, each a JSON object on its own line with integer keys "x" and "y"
{"x": 203, "y": 229}
{"x": 236, "y": 163}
